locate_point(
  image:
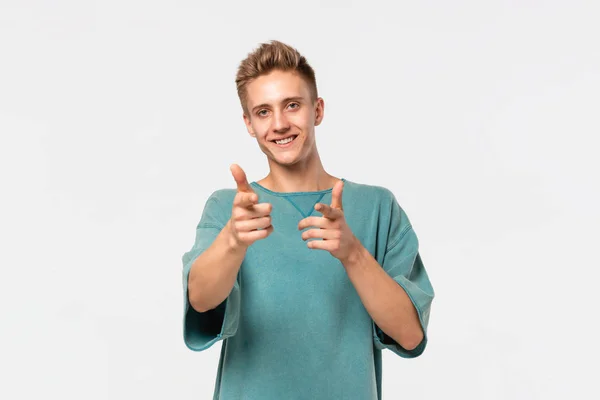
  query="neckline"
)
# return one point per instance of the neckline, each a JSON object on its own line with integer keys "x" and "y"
{"x": 258, "y": 185}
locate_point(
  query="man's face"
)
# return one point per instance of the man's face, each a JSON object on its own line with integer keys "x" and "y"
{"x": 279, "y": 106}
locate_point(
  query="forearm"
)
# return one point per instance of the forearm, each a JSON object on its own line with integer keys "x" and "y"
{"x": 214, "y": 272}
{"x": 384, "y": 299}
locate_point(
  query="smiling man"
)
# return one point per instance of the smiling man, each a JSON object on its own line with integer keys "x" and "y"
{"x": 304, "y": 276}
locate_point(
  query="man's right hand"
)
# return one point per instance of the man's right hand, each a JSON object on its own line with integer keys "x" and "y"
{"x": 247, "y": 216}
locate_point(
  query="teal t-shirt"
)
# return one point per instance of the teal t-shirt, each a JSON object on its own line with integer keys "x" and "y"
{"x": 293, "y": 326}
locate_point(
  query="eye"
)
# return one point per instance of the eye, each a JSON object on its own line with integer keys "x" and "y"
{"x": 260, "y": 113}
{"x": 294, "y": 104}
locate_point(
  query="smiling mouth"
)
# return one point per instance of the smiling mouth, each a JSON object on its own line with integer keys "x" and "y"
{"x": 283, "y": 142}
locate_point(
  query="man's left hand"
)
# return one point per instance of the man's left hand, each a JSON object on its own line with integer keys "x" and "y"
{"x": 336, "y": 235}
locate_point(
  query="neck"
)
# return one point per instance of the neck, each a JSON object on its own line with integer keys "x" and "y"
{"x": 307, "y": 175}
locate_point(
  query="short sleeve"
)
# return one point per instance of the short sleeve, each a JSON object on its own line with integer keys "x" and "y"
{"x": 403, "y": 263}
{"x": 202, "y": 330}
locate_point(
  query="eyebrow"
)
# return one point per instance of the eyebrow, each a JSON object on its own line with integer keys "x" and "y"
{"x": 287, "y": 99}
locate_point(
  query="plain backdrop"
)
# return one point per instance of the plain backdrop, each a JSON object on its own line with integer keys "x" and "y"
{"x": 119, "y": 118}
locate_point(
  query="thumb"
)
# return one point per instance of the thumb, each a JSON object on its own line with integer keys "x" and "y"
{"x": 240, "y": 178}
{"x": 336, "y": 195}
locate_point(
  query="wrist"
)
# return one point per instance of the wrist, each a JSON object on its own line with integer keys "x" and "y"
{"x": 355, "y": 255}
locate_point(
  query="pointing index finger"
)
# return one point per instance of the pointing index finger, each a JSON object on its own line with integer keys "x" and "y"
{"x": 328, "y": 211}
{"x": 245, "y": 199}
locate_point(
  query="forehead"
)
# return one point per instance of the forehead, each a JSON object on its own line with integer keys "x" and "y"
{"x": 276, "y": 86}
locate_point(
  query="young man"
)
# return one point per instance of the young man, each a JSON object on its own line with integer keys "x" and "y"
{"x": 305, "y": 276}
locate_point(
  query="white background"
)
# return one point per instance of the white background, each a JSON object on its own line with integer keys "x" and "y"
{"x": 119, "y": 118}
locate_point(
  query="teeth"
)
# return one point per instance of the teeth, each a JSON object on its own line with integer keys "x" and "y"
{"x": 284, "y": 141}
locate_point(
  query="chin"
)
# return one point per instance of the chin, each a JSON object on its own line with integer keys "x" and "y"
{"x": 285, "y": 160}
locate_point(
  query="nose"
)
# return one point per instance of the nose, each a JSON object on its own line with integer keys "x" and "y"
{"x": 280, "y": 123}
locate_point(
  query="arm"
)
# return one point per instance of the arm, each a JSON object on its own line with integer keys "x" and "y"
{"x": 394, "y": 287}
{"x": 387, "y": 303}
{"x": 214, "y": 272}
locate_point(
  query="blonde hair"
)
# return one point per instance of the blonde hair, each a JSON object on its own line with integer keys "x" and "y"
{"x": 270, "y": 56}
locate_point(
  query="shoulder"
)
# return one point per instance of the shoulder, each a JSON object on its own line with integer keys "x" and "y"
{"x": 223, "y": 197}
{"x": 380, "y": 200}
{"x": 373, "y": 194}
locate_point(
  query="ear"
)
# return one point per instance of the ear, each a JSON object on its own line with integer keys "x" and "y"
{"x": 319, "y": 110}
{"x": 248, "y": 125}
